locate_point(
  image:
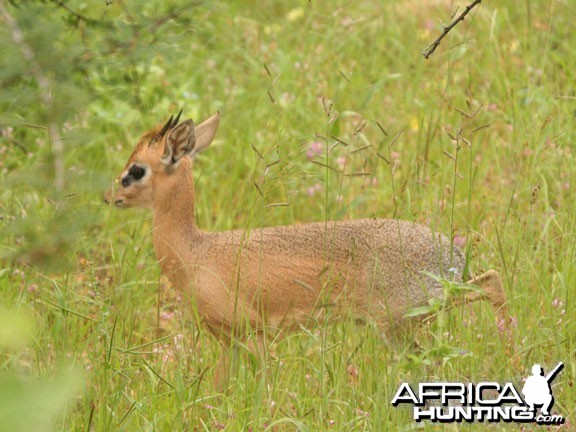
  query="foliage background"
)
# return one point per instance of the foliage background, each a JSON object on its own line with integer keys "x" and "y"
{"x": 329, "y": 112}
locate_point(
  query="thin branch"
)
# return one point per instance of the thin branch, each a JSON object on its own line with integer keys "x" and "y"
{"x": 45, "y": 90}
{"x": 432, "y": 47}
{"x": 17, "y": 144}
{"x": 76, "y": 15}
{"x": 171, "y": 16}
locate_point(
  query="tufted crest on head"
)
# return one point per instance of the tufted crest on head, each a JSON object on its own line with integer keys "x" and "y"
{"x": 170, "y": 124}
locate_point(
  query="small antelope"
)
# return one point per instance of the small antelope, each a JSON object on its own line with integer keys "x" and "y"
{"x": 282, "y": 277}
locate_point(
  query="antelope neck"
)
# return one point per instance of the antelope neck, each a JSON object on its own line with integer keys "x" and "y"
{"x": 174, "y": 222}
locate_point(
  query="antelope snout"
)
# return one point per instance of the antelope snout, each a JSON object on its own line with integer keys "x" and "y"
{"x": 109, "y": 198}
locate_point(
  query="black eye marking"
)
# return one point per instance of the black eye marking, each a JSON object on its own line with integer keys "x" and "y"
{"x": 135, "y": 173}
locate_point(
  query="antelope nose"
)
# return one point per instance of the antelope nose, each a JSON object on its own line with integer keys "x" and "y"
{"x": 108, "y": 196}
{"x": 108, "y": 200}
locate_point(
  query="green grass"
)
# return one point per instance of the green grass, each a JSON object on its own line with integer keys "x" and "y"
{"x": 477, "y": 142}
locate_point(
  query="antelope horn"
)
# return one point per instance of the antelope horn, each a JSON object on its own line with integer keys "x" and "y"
{"x": 166, "y": 127}
{"x": 176, "y": 120}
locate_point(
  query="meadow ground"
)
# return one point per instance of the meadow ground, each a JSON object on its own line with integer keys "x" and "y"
{"x": 329, "y": 111}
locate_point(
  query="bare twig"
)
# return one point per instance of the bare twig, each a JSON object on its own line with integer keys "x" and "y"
{"x": 18, "y": 145}
{"x": 77, "y": 16}
{"x": 45, "y": 90}
{"x": 432, "y": 47}
{"x": 171, "y": 15}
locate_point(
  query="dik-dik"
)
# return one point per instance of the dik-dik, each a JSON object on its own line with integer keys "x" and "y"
{"x": 278, "y": 278}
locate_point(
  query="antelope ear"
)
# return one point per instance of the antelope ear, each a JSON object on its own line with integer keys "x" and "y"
{"x": 179, "y": 142}
{"x": 205, "y": 132}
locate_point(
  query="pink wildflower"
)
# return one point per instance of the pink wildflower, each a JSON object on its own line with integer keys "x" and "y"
{"x": 314, "y": 149}
{"x": 459, "y": 241}
{"x": 312, "y": 190}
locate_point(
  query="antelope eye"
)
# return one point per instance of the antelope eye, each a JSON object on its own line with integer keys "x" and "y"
{"x": 136, "y": 172}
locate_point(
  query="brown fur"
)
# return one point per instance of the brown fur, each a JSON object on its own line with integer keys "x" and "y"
{"x": 281, "y": 277}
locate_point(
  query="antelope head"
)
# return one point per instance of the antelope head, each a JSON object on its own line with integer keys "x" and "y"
{"x": 160, "y": 154}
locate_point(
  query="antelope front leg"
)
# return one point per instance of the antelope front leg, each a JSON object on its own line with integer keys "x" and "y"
{"x": 493, "y": 291}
